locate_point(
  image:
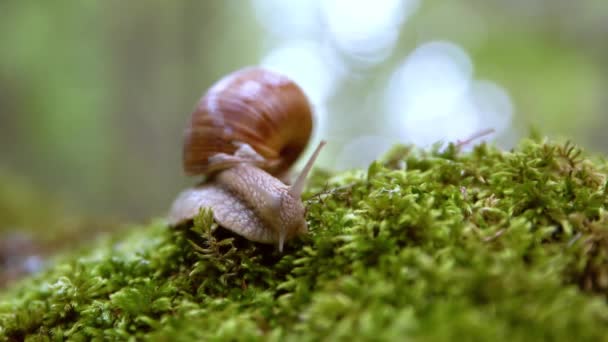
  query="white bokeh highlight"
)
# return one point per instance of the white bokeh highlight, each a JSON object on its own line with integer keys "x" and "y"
{"x": 309, "y": 64}
{"x": 366, "y": 30}
{"x": 432, "y": 97}
{"x": 493, "y": 104}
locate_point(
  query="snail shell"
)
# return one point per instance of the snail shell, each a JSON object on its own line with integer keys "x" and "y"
{"x": 253, "y": 107}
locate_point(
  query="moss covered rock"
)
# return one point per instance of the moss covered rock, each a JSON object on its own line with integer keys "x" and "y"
{"x": 435, "y": 245}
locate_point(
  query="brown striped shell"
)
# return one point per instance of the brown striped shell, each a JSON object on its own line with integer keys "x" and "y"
{"x": 252, "y": 106}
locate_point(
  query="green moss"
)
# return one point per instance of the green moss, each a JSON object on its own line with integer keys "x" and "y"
{"x": 488, "y": 245}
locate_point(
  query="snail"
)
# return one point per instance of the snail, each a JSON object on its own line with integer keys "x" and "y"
{"x": 244, "y": 135}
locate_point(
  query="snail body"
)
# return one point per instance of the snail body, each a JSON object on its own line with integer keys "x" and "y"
{"x": 248, "y": 129}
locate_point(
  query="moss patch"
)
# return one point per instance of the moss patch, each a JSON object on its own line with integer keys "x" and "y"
{"x": 427, "y": 245}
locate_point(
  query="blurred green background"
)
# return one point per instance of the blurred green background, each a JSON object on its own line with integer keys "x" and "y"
{"x": 95, "y": 94}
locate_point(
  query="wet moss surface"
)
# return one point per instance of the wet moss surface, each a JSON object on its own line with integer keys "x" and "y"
{"x": 425, "y": 245}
